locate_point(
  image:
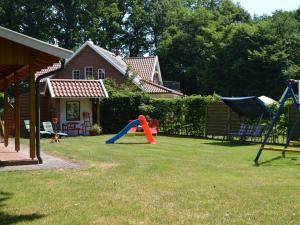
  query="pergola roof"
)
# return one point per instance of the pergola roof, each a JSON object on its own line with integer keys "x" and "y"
{"x": 18, "y": 52}
{"x": 34, "y": 43}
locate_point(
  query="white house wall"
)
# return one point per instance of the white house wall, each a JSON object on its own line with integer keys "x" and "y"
{"x": 85, "y": 106}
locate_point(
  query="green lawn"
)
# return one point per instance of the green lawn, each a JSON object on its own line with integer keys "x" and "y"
{"x": 177, "y": 181}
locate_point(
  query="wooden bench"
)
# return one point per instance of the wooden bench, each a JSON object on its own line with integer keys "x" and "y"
{"x": 73, "y": 126}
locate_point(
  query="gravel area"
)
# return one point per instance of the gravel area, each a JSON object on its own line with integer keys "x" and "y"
{"x": 49, "y": 162}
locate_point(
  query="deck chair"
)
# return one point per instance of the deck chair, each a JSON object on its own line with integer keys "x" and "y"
{"x": 27, "y": 127}
{"x": 56, "y": 135}
{"x": 153, "y": 124}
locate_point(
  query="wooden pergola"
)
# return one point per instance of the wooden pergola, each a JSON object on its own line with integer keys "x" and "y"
{"x": 21, "y": 57}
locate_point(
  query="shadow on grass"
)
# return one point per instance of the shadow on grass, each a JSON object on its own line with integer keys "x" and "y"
{"x": 131, "y": 143}
{"x": 230, "y": 143}
{"x": 7, "y": 219}
{"x": 269, "y": 162}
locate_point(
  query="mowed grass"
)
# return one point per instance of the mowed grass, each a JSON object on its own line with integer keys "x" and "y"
{"x": 177, "y": 181}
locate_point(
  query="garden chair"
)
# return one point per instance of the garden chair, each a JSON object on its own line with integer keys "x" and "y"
{"x": 153, "y": 124}
{"x": 27, "y": 128}
{"x": 56, "y": 135}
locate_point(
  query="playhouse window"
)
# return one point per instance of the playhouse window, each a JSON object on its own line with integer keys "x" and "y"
{"x": 76, "y": 74}
{"x": 88, "y": 72}
{"x": 101, "y": 74}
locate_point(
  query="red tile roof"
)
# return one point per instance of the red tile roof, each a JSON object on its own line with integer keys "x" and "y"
{"x": 153, "y": 88}
{"x": 66, "y": 88}
{"x": 143, "y": 66}
{"x": 55, "y": 66}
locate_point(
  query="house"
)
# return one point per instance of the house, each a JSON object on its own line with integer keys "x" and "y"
{"x": 72, "y": 95}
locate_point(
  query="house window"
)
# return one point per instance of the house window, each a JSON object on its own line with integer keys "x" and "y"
{"x": 72, "y": 110}
{"x": 76, "y": 74}
{"x": 88, "y": 72}
{"x": 101, "y": 74}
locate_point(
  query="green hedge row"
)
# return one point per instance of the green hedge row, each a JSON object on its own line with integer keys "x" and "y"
{"x": 179, "y": 116}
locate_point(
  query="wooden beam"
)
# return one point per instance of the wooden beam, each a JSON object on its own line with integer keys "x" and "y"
{"x": 6, "y": 111}
{"x": 98, "y": 112}
{"x": 10, "y": 78}
{"x": 32, "y": 112}
{"x": 12, "y": 53}
{"x": 17, "y": 113}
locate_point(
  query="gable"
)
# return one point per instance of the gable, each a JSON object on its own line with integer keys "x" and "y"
{"x": 146, "y": 67}
{"x": 88, "y": 57}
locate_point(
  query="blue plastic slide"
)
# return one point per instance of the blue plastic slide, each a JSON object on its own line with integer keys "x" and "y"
{"x": 124, "y": 131}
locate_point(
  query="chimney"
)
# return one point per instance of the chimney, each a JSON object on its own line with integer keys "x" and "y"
{"x": 117, "y": 52}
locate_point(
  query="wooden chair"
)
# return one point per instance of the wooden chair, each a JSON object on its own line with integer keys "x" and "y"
{"x": 87, "y": 124}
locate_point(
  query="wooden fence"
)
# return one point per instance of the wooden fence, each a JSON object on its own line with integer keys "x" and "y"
{"x": 291, "y": 117}
{"x": 221, "y": 120}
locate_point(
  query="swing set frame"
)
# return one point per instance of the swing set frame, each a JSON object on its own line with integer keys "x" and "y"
{"x": 289, "y": 92}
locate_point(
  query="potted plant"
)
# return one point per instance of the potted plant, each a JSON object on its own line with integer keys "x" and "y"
{"x": 95, "y": 130}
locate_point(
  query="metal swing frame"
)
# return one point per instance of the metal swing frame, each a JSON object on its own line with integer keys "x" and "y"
{"x": 289, "y": 92}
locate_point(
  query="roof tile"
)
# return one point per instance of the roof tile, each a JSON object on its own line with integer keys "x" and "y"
{"x": 62, "y": 88}
{"x": 143, "y": 66}
{"x": 153, "y": 88}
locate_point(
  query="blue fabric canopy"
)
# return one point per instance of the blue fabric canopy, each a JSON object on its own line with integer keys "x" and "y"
{"x": 249, "y": 107}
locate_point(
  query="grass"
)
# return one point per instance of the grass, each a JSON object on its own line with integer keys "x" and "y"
{"x": 177, "y": 181}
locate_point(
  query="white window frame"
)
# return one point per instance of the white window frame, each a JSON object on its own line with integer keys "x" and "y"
{"x": 103, "y": 71}
{"x": 73, "y": 74}
{"x": 85, "y": 70}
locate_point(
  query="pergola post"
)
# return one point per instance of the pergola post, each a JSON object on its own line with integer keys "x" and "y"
{"x": 32, "y": 112}
{"x": 17, "y": 112}
{"x": 98, "y": 111}
{"x": 6, "y": 111}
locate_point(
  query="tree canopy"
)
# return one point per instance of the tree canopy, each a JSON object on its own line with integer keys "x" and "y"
{"x": 209, "y": 46}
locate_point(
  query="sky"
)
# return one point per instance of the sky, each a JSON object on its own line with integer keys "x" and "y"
{"x": 260, "y": 7}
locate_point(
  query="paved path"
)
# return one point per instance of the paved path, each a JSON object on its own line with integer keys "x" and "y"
{"x": 49, "y": 162}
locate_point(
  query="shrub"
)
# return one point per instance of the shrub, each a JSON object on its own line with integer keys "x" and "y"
{"x": 96, "y": 129}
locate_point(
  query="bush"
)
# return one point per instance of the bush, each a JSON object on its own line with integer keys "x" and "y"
{"x": 96, "y": 129}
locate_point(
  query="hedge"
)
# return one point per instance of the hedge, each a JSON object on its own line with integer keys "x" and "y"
{"x": 116, "y": 110}
{"x": 179, "y": 116}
